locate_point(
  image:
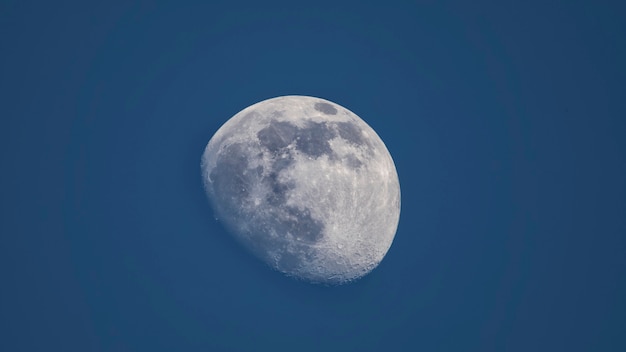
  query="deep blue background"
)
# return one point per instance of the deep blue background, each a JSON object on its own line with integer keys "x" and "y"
{"x": 506, "y": 121}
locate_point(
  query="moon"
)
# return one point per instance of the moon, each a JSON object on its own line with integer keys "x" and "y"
{"x": 307, "y": 186}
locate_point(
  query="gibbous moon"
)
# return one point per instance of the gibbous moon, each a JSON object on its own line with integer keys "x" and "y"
{"x": 307, "y": 186}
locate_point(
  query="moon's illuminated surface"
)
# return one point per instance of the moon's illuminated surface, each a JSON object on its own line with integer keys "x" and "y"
{"x": 307, "y": 186}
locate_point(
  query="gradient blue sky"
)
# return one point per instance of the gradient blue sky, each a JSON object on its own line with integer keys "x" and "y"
{"x": 505, "y": 120}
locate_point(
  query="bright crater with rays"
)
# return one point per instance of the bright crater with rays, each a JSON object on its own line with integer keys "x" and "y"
{"x": 307, "y": 186}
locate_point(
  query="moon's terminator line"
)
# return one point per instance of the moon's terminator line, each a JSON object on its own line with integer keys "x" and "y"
{"x": 306, "y": 185}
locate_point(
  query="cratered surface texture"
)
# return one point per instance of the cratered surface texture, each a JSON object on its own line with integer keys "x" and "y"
{"x": 307, "y": 186}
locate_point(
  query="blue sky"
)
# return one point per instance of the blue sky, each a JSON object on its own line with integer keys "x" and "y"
{"x": 504, "y": 119}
